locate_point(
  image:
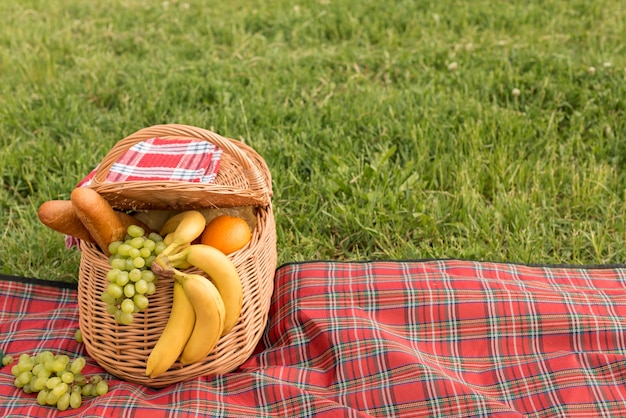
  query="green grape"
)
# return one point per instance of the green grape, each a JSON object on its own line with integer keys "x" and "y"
{"x": 115, "y": 290}
{"x": 141, "y": 301}
{"x": 114, "y": 247}
{"x": 45, "y": 356}
{"x": 111, "y": 308}
{"x": 135, "y": 231}
{"x": 149, "y": 245}
{"x": 129, "y": 290}
{"x": 134, "y": 274}
{"x": 134, "y": 253}
{"x": 160, "y": 246}
{"x": 24, "y": 378}
{"x": 52, "y": 399}
{"x": 18, "y": 383}
{"x": 125, "y": 318}
{"x": 102, "y": 387}
{"x": 15, "y": 371}
{"x": 141, "y": 286}
{"x": 44, "y": 372}
{"x": 149, "y": 261}
{"x": 39, "y": 383}
{"x": 7, "y": 359}
{"x": 67, "y": 377}
{"x": 42, "y": 396}
{"x": 77, "y": 365}
{"x": 78, "y": 336}
{"x": 108, "y": 298}
{"x": 60, "y": 389}
{"x": 123, "y": 249}
{"x": 113, "y": 274}
{"x": 58, "y": 366}
{"x": 37, "y": 368}
{"x": 151, "y": 289}
{"x": 129, "y": 264}
{"x": 145, "y": 253}
{"x": 123, "y": 278}
{"x": 128, "y": 306}
{"x": 155, "y": 237}
{"x": 64, "y": 358}
{"x": 26, "y": 359}
{"x": 64, "y": 402}
{"x": 53, "y": 382}
{"x": 147, "y": 275}
{"x": 139, "y": 262}
{"x": 118, "y": 264}
{"x": 117, "y": 315}
{"x": 137, "y": 242}
{"x": 48, "y": 365}
{"x": 87, "y": 388}
{"x": 22, "y": 366}
{"x": 76, "y": 399}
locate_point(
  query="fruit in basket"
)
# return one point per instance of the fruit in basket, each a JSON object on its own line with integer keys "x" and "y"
{"x": 185, "y": 226}
{"x": 175, "y": 334}
{"x": 130, "y": 278}
{"x": 226, "y": 233}
{"x": 210, "y": 314}
{"x": 222, "y": 273}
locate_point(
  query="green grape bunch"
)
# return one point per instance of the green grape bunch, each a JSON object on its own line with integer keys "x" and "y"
{"x": 130, "y": 280}
{"x": 56, "y": 379}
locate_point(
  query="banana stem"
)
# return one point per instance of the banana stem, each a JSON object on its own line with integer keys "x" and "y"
{"x": 180, "y": 255}
{"x": 179, "y": 276}
{"x": 170, "y": 249}
{"x": 161, "y": 267}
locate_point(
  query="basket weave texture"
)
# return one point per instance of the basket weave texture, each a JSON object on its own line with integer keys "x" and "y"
{"x": 243, "y": 180}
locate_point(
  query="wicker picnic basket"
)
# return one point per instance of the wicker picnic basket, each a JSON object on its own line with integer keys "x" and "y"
{"x": 243, "y": 179}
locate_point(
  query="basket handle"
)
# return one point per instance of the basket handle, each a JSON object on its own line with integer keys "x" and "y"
{"x": 258, "y": 181}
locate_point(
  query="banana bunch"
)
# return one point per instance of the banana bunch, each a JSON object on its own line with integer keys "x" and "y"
{"x": 203, "y": 310}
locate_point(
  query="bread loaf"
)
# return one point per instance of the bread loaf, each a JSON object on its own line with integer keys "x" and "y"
{"x": 98, "y": 217}
{"x": 60, "y": 216}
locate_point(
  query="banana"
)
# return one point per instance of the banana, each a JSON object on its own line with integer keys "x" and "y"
{"x": 210, "y": 312}
{"x": 222, "y": 273}
{"x": 175, "y": 334}
{"x": 185, "y": 226}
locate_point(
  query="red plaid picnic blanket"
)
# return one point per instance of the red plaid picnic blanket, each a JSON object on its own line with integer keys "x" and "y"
{"x": 165, "y": 159}
{"x": 448, "y": 338}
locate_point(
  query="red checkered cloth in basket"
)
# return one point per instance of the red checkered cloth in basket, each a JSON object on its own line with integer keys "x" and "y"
{"x": 158, "y": 159}
{"x": 165, "y": 159}
{"x": 440, "y": 338}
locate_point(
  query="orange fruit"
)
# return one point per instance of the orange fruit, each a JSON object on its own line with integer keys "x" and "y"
{"x": 226, "y": 233}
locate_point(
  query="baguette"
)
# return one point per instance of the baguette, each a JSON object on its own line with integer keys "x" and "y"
{"x": 98, "y": 217}
{"x": 60, "y": 216}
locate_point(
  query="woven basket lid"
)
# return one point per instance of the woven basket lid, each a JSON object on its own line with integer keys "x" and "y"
{"x": 243, "y": 178}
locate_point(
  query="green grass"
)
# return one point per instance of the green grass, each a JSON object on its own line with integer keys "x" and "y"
{"x": 391, "y": 128}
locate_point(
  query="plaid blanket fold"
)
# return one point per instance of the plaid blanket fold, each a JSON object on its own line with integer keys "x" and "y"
{"x": 438, "y": 338}
{"x": 158, "y": 159}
